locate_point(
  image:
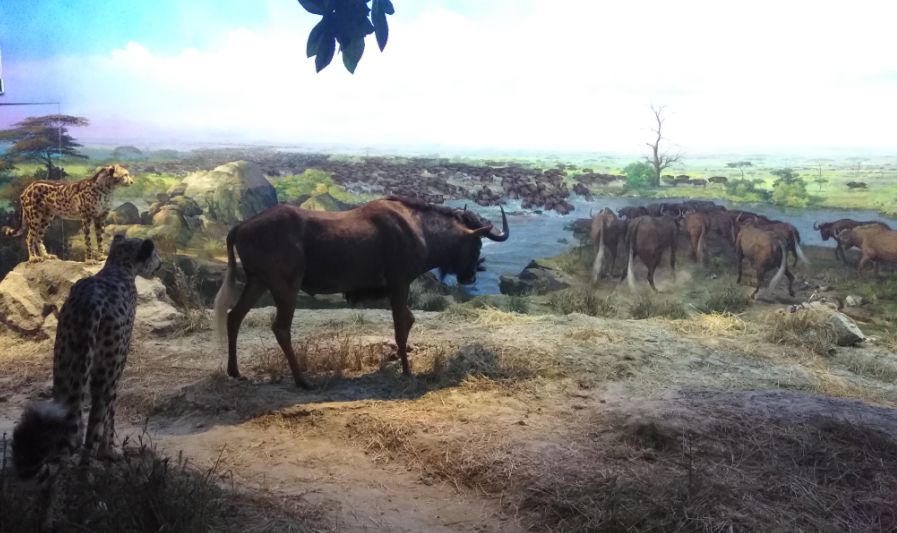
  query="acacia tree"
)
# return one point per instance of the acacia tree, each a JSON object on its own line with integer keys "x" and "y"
{"x": 740, "y": 166}
{"x": 660, "y": 160}
{"x": 43, "y": 139}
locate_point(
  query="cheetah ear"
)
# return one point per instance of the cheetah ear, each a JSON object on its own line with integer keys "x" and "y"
{"x": 118, "y": 237}
{"x": 146, "y": 250}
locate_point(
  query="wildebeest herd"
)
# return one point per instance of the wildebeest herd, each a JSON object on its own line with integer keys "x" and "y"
{"x": 647, "y": 232}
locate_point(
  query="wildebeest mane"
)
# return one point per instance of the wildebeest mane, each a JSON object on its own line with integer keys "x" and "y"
{"x": 468, "y": 218}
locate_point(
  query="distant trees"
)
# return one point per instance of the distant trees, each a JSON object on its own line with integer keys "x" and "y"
{"x": 127, "y": 152}
{"x": 639, "y": 175}
{"x": 346, "y": 22}
{"x": 789, "y": 189}
{"x": 659, "y": 160}
{"x": 43, "y": 140}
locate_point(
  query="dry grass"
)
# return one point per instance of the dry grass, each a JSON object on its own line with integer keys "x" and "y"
{"x": 585, "y": 301}
{"x": 741, "y": 474}
{"x": 716, "y": 324}
{"x": 648, "y": 306}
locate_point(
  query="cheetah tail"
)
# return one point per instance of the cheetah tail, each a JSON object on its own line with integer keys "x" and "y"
{"x": 42, "y": 432}
{"x": 225, "y": 296}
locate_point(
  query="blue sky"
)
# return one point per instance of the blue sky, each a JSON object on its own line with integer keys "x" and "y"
{"x": 545, "y": 75}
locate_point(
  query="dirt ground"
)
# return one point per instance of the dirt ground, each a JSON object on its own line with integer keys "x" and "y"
{"x": 518, "y": 422}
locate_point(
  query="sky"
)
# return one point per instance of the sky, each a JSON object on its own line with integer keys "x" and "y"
{"x": 491, "y": 75}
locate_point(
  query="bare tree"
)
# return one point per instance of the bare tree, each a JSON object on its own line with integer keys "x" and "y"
{"x": 659, "y": 159}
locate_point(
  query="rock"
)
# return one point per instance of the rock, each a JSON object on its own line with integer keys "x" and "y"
{"x": 187, "y": 206}
{"x": 125, "y": 214}
{"x": 847, "y": 333}
{"x": 324, "y": 202}
{"x": 231, "y": 192}
{"x": 531, "y": 281}
{"x": 853, "y": 301}
{"x": 861, "y": 314}
{"x": 30, "y": 286}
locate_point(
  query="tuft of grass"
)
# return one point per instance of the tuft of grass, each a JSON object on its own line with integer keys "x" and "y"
{"x": 143, "y": 491}
{"x": 647, "y": 306}
{"x": 808, "y": 329}
{"x": 518, "y": 304}
{"x": 585, "y": 301}
{"x": 716, "y": 324}
{"x": 731, "y": 299}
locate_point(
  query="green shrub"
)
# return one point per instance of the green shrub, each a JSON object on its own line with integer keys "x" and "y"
{"x": 583, "y": 301}
{"x": 647, "y": 306}
{"x": 728, "y": 300}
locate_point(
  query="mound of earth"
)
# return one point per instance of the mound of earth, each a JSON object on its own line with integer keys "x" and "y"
{"x": 28, "y": 291}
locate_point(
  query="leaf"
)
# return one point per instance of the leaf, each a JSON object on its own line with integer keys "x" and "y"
{"x": 352, "y": 53}
{"x": 381, "y": 28}
{"x": 387, "y": 7}
{"x": 326, "y": 49}
{"x": 317, "y": 7}
{"x": 314, "y": 38}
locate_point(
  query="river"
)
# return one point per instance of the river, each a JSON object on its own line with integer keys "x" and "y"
{"x": 543, "y": 235}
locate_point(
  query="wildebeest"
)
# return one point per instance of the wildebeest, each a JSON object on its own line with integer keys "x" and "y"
{"x": 876, "y": 243}
{"x": 718, "y": 179}
{"x": 696, "y": 225}
{"x": 830, "y": 230}
{"x": 369, "y": 252}
{"x": 699, "y": 182}
{"x": 606, "y": 232}
{"x": 632, "y": 212}
{"x": 786, "y": 230}
{"x": 648, "y": 237}
{"x": 764, "y": 249}
{"x": 856, "y": 185}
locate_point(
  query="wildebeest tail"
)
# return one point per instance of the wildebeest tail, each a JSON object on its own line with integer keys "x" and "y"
{"x": 630, "y": 267}
{"x": 798, "y": 250}
{"x": 599, "y": 257}
{"x": 225, "y": 297}
{"x": 777, "y": 278}
{"x": 700, "y": 243}
{"x": 44, "y": 431}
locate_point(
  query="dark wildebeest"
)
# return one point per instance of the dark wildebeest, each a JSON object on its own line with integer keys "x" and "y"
{"x": 648, "y": 237}
{"x": 369, "y": 252}
{"x": 764, "y": 249}
{"x": 606, "y": 232}
{"x": 856, "y": 185}
{"x": 696, "y": 226}
{"x": 718, "y": 179}
{"x": 876, "y": 243}
{"x": 699, "y": 182}
{"x": 723, "y": 223}
{"x": 830, "y": 230}
{"x": 631, "y": 212}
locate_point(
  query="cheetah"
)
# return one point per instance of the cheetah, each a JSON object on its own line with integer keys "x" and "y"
{"x": 91, "y": 348}
{"x": 87, "y": 200}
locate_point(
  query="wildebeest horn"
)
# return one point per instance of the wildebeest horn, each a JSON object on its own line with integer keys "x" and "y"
{"x": 503, "y": 236}
{"x": 815, "y": 226}
{"x": 465, "y": 207}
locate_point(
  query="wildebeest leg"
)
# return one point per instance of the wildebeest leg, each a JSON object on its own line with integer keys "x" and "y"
{"x": 613, "y": 261}
{"x": 738, "y": 259}
{"x": 402, "y": 321}
{"x": 285, "y": 300}
{"x": 759, "y": 281}
{"x": 251, "y": 293}
{"x": 790, "y": 277}
{"x": 862, "y": 263}
{"x": 651, "y": 270}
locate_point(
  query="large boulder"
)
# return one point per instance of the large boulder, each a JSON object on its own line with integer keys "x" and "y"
{"x": 324, "y": 202}
{"x": 125, "y": 214}
{"x": 231, "y": 192}
{"x": 28, "y": 290}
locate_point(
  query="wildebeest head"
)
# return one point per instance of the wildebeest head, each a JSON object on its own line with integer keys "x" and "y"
{"x": 465, "y": 262}
{"x": 824, "y": 229}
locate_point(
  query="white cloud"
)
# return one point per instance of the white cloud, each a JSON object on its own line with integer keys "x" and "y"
{"x": 563, "y": 74}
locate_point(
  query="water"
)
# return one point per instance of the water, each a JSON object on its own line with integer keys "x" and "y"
{"x": 538, "y": 235}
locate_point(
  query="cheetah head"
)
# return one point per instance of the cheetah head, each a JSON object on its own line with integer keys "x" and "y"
{"x": 137, "y": 255}
{"x": 114, "y": 175}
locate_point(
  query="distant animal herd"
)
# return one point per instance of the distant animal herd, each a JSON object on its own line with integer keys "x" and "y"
{"x": 647, "y": 232}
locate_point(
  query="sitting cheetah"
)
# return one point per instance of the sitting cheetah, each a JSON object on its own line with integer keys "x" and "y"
{"x": 86, "y": 200}
{"x": 91, "y": 348}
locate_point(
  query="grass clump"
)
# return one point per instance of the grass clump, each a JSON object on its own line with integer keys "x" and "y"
{"x": 806, "y": 328}
{"x": 144, "y": 491}
{"x": 585, "y": 301}
{"x": 646, "y": 306}
{"x": 728, "y": 300}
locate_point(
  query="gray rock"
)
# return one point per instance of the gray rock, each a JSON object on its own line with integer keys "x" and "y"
{"x": 853, "y": 301}
{"x": 232, "y": 192}
{"x": 125, "y": 214}
{"x": 847, "y": 333}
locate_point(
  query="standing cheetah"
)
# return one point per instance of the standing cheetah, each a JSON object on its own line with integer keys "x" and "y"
{"x": 86, "y": 200}
{"x": 91, "y": 348}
